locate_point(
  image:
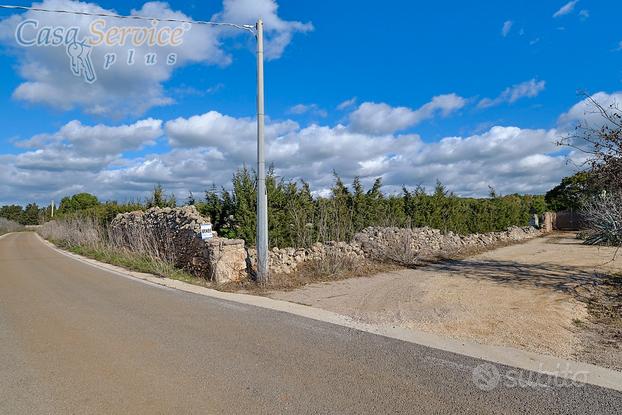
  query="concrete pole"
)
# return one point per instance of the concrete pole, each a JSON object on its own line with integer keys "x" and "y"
{"x": 262, "y": 196}
{"x": 52, "y": 209}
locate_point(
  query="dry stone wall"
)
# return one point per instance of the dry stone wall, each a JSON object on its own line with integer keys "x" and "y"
{"x": 175, "y": 234}
{"x": 375, "y": 243}
{"x": 286, "y": 260}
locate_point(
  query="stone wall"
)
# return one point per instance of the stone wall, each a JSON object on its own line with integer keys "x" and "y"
{"x": 286, "y": 260}
{"x": 376, "y": 243}
{"x": 175, "y": 234}
{"x": 428, "y": 242}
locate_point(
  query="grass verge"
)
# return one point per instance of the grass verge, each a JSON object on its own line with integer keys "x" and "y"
{"x": 133, "y": 262}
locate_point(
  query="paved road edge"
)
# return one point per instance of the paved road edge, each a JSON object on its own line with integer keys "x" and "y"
{"x": 508, "y": 356}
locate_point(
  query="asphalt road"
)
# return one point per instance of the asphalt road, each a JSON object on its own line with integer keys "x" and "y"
{"x": 77, "y": 339}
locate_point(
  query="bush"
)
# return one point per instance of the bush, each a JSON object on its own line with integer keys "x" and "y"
{"x": 7, "y": 226}
{"x": 603, "y": 217}
{"x": 298, "y": 219}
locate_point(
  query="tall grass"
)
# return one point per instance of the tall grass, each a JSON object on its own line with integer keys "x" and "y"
{"x": 7, "y": 226}
{"x": 140, "y": 250}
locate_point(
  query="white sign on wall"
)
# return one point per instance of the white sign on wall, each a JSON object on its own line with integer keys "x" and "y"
{"x": 206, "y": 231}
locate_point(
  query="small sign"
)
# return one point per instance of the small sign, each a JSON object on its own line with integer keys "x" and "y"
{"x": 206, "y": 231}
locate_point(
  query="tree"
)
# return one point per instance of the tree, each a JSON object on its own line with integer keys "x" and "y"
{"x": 11, "y": 212}
{"x": 191, "y": 201}
{"x": 602, "y": 144}
{"x": 78, "y": 202}
{"x": 570, "y": 193}
{"x": 159, "y": 199}
{"x": 30, "y": 215}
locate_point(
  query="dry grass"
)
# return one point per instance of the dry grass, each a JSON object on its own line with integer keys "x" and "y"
{"x": 397, "y": 248}
{"x": 333, "y": 267}
{"x": 603, "y": 329}
{"x": 8, "y": 226}
{"x": 140, "y": 251}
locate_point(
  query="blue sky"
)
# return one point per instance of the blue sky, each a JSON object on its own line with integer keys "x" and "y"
{"x": 473, "y": 94}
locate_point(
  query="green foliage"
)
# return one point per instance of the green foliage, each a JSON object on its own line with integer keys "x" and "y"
{"x": 30, "y": 215}
{"x": 159, "y": 198}
{"x": 298, "y": 219}
{"x": 77, "y": 202}
{"x": 103, "y": 212}
{"x": 11, "y": 212}
{"x": 570, "y": 193}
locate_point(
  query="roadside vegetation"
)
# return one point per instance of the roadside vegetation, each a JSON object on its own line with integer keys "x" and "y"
{"x": 7, "y": 226}
{"x": 298, "y": 218}
{"x": 86, "y": 236}
{"x": 596, "y": 191}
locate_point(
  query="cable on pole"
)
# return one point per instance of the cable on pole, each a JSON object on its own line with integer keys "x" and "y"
{"x": 247, "y": 27}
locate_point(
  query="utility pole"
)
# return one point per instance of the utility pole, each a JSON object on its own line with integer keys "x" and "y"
{"x": 52, "y": 209}
{"x": 262, "y": 196}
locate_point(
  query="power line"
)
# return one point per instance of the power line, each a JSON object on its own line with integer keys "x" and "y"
{"x": 247, "y": 27}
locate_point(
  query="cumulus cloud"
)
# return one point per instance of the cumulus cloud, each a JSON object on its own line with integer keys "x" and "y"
{"x": 278, "y": 32}
{"x": 507, "y": 26}
{"x": 219, "y": 130}
{"x": 124, "y": 88}
{"x": 585, "y": 111}
{"x": 527, "y": 89}
{"x": 100, "y": 140}
{"x": 381, "y": 118}
{"x": 566, "y": 8}
{"x": 206, "y": 149}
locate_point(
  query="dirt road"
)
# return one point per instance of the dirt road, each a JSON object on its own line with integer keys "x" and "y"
{"x": 520, "y": 296}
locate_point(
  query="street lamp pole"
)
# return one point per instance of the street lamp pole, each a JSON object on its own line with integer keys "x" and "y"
{"x": 262, "y": 196}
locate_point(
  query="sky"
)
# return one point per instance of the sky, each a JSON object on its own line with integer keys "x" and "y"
{"x": 474, "y": 94}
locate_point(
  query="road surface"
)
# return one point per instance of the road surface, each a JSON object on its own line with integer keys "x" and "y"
{"x": 77, "y": 339}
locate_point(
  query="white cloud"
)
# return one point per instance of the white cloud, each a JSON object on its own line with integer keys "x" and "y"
{"x": 77, "y": 147}
{"x": 381, "y": 118}
{"x": 206, "y": 149}
{"x": 566, "y": 8}
{"x": 527, "y": 89}
{"x": 216, "y": 130}
{"x": 585, "y": 111}
{"x": 278, "y": 32}
{"x": 507, "y": 26}
{"x": 311, "y": 109}
{"x": 584, "y": 14}
{"x": 347, "y": 104}
{"x": 129, "y": 89}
